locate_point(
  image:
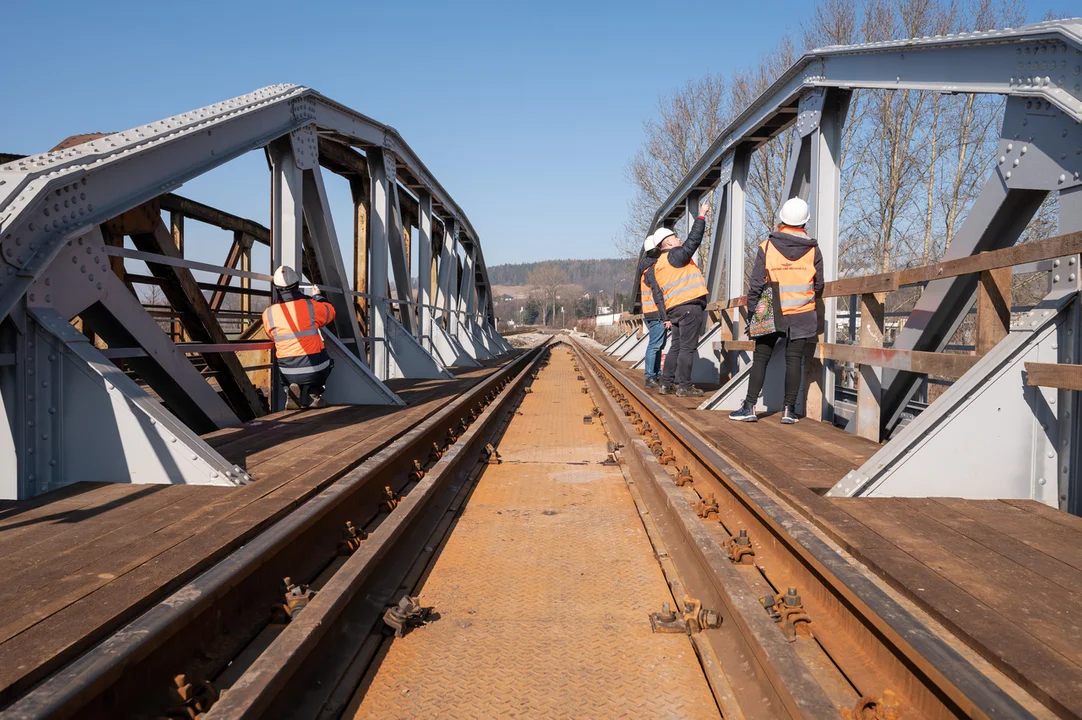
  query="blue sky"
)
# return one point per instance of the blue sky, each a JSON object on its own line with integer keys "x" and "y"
{"x": 526, "y": 112}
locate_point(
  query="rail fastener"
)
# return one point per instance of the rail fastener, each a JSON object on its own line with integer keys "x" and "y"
{"x": 417, "y": 472}
{"x": 683, "y": 477}
{"x": 390, "y": 499}
{"x": 406, "y": 614}
{"x": 740, "y": 550}
{"x": 352, "y": 537}
{"x": 295, "y": 598}
{"x": 693, "y": 618}
{"x": 708, "y": 507}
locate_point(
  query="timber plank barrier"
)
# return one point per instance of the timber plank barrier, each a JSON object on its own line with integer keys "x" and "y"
{"x": 993, "y": 321}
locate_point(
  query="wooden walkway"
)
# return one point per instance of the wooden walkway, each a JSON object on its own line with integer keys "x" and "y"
{"x": 80, "y": 561}
{"x": 1004, "y": 575}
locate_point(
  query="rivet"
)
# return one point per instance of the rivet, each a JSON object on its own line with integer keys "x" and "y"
{"x": 1041, "y": 481}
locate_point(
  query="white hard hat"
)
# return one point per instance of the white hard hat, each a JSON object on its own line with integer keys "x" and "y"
{"x": 285, "y": 277}
{"x": 653, "y": 241}
{"x": 794, "y": 213}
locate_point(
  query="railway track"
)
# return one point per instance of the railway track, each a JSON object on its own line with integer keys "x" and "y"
{"x": 803, "y": 632}
{"x": 296, "y": 622}
{"x": 255, "y": 624}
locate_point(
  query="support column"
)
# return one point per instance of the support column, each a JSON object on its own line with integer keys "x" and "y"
{"x": 825, "y": 147}
{"x": 378, "y": 223}
{"x": 870, "y": 387}
{"x": 424, "y": 269}
{"x": 287, "y": 217}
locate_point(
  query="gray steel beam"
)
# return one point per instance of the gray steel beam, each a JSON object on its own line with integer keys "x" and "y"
{"x": 328, "y": 256}
{"x": 424, "y": 270}
{"x": 1035, "y": 62}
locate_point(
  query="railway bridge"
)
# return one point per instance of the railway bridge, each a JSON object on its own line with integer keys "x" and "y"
{"x": 473, "y": 529}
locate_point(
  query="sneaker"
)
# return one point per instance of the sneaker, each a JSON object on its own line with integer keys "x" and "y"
{"x": 293, "y": 397}
{"x": 689, "y": 391}
{"x": 317, "y": 402}
{"x": 788, "y": 417}
{"x": 652, "y": 383}
{"x": 746, "y": 413}
{"x": 666, "y": 388}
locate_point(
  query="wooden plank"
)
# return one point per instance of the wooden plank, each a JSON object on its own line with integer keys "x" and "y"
{"x": 994, "y": 297}
{"x": 976, "y": 623}
{"x": 1057, "y": 375}
{"x": 943, "y": 364}
{"x": 1059, "y": 246}
{"x": 1030, "y": 601}
{"x": 185, "y": 296}
{"x": 211, "y": 216}
{"x": 1040, "y": 533}
{"x": 739, "y": 345}
{"x": 990, "y": 536}
{"x": 60, "y": 623}
{"x": 863, "y": 285}
{"x": 1074, "y": 522}
{"x": 870, "y": 386}
{"x": 362, "y": 199}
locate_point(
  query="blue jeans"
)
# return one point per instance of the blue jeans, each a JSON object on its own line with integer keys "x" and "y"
{"x": 654, "y": 346}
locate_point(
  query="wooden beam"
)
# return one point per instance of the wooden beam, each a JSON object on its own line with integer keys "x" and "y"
{"x": 1056, "y": 375}
{"x": 342, "y": 160}
{"x": 206, "y": 214}
{"x": 231, "y": 260}
{"x": 994, "y": 297}
{"x": 947, "y": 365}
{"x": 870, "y": 387}
{"x": 362, "y": 199}
{"x": 1059, "y": 246}
{"x": 185, "y": 296}
{"x": 881, "y": 283}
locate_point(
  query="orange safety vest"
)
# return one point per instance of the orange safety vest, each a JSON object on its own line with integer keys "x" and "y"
{"x": 647, "y": 296}
{"x": 795, "y": 279}
{"x": 678, "y": 284}
{"x": 294, "y": 326}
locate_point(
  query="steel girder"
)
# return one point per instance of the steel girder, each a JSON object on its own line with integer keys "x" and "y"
{"x": 49, "y": 203}
{"x": 1034, "y": 62}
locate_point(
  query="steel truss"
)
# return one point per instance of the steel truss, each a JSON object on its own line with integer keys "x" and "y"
{"x": 1037, "y": 68}
{"x": 68, "y": 313}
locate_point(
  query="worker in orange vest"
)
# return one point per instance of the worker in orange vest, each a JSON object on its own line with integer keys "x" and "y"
{"x": 684, "y": 288}
{"x": 789, "y": 264}
{"x": 293, "y": 323}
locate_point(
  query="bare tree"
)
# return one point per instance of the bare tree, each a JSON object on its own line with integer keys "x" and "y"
{"x": 547, "y": 282}
{"x": 689, "y": 120}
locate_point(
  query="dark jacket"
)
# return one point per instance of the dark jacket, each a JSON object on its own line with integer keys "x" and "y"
{"x": 646, "y": 265}
{"x": 681, "y": 256}
{"x": 801, "y": 325}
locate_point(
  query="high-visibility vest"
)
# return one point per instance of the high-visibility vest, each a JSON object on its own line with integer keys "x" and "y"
{"x": 294, "y": 326}
{"x": 795, "y": 279}
{"x": 647, "y": 295}
{"x": 678, "y": 284}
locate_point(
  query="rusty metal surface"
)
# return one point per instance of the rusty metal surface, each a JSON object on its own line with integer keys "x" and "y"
{"x": 544, "y": 590}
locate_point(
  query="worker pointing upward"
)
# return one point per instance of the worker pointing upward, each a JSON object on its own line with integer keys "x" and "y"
{"x": 293, "y": 323}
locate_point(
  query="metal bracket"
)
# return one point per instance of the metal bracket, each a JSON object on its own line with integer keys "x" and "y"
{"x": 305, "y": 144}
{"x": 810, "y": 112}
{"x": 692, "y": 619}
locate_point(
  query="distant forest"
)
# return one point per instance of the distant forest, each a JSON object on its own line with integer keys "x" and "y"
{"x": 591, "y": 275}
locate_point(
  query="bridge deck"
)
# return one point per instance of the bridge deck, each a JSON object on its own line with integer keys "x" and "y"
{"x": 83, "y": 559}
{"x": 1005, "y": 575}
{"x": 544, "y": 590}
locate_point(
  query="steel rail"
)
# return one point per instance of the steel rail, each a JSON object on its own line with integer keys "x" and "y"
{"x": 269, "y": 677}
{"x": 889, "y": 647}
{"x": 136, "y": 662}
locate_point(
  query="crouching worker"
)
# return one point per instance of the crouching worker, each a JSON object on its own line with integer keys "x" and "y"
{"x": 293, "y": 323}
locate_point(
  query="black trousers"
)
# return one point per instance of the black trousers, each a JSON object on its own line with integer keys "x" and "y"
{"x": 686, "y": 320}
{"x": 794, "y": 353}
{"x": 312, "y": 383}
